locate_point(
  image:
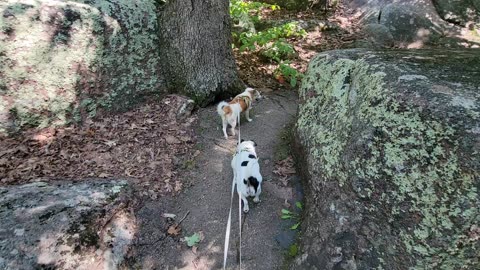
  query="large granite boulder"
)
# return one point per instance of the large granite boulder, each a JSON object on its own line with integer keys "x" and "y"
{"x": 61, "y": 60}
{"x": 411, "y": 24}
{"x": 458, "y": 11}
{"x": 66, "y": 225}
{"x": 389, "y": 145}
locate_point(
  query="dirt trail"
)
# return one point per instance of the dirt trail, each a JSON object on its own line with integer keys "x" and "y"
{"x": 265, "y": 235}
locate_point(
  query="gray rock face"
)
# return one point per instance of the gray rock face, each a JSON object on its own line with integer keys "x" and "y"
{"x": 458, "y": 11}
{"x": 389, "y": 142}
{"x": 379, "y": 35}
{"x": 411, "y": 24}
{"x": 65, "y": 226}
{"x": 407, "y": 23}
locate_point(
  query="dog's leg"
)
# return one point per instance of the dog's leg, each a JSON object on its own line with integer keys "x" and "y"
{"x": 233, "y": 124}
{"x": 247, "y": 115}
{"x": 224, "y": 127}
{"x": 257, "y": 195}
{"x": 245, "y": 204}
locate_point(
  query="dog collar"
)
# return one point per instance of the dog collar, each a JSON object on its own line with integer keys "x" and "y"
{"x": 244, "y": 150}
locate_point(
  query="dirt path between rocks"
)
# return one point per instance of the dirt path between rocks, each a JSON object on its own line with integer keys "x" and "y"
{"x": 266, "y": 237}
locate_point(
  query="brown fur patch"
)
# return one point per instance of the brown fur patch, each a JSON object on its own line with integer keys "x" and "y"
{"x": 227, "y": 110}
{"x": 240, "y": 100}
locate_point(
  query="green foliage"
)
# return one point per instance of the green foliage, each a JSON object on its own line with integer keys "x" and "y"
{"x": 290, "y": 74}
{"x": 295, "y": 226}
{"x": 251, "y": 40}
{"x": 243, "y": 12}
{"x": 192, "y": 240}
{"x": 279, "y": 50}
{"x": 271, "y": 43}
{"x": 299, "y": 205}
{"x": 90, "y": 106}
{"x": 293, "y": 250}
{"x": 287, "y": 214}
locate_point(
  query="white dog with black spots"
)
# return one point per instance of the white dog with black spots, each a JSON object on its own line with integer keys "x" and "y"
{"x": 246, "y": 173}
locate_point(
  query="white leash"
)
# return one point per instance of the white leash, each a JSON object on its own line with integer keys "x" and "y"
{"x": 229, "y": 222}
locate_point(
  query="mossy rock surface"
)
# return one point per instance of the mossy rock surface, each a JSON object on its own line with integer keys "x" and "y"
{"x": 63, "y": 60}
{"x": 390, "y": 147}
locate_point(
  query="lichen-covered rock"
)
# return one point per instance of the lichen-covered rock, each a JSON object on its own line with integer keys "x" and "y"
{"x": 390, "y": 147}
{"x": 62, "y": 59}
{"x": 458, "y": 11}
{"x": 65, "y": 226}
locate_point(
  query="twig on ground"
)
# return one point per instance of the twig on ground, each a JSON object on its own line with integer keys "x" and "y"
{"x": 184, "y": 217}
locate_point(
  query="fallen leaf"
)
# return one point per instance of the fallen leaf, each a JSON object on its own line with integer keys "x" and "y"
{"x": 103, "y": 175}
{"x": 194, "y": 249}
{"x": 174, "y": 230}
{"x": 192, "y": 240}
{"x": 178, "y": 186}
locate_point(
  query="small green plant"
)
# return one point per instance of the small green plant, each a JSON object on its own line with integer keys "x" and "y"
{"x": 240, "y": 9}
{"x": 244, "y": 14}
{"x": 192, "y": 240}
{"x": 287, "y": 214}
{"x": 90, "y": 106}
{"x": 289, "y": 73}
{"x": 270, "y": 43}
{"x": 293, "y": 250}
{"x": 299, "y": 205}
{"x": 279, "y": 50}
{"x": 251, "y": 40}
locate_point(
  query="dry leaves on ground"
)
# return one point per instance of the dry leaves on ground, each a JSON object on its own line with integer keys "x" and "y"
{"x": 147, "y": 143}
{"x": 284, "y": 169}
{"x": 174, "y": 230}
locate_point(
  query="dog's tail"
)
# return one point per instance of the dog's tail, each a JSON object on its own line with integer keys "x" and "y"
{"x": 223, "y": 109}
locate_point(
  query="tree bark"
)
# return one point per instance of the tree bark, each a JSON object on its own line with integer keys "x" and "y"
{"x": 195, "y": 49}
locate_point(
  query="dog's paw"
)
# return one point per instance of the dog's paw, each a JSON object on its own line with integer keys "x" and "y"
{"x": 256, "y": 200}
{"x": 249, "y": 120}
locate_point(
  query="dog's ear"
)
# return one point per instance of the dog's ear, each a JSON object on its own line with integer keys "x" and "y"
{"x": 254, "y": 143}
{"x": 242, "y": 140}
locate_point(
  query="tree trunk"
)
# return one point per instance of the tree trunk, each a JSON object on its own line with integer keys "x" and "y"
{"x": 195, "y": 49}
{"x": 78, "y": 59}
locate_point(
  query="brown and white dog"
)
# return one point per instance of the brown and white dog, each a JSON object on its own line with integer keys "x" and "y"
{"x": 229, "y": 111}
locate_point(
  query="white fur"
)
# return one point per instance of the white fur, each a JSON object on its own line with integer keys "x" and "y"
{"x": 231, "y": 119}
{"x": 241, "y": 173}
